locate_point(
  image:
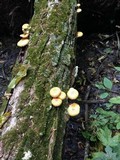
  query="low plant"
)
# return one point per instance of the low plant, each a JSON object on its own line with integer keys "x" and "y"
{"x": 111, "y": 153}
{"x": 106, "y": 86}
{"x": 103, "y": 130}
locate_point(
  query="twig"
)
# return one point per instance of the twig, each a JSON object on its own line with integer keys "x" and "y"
{"x": 111, "y": 91}
{"x": 118, "y": 44}
{"x": 110, "y": 36}
{"x": 86, "y": 149}
{"x": 118, "y": 41}
{"x": 108, "y": 90}
{"x": 94, "y": 101}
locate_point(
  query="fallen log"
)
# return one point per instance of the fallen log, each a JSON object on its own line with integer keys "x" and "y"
{"x": 35, "y": 129}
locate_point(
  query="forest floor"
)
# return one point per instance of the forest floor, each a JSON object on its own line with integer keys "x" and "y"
{"x": 8, "y": 56}
{"x": 94, "y": 133}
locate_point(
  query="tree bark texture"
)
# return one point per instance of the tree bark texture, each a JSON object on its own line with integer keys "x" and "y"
{"x": 35, "y": 128}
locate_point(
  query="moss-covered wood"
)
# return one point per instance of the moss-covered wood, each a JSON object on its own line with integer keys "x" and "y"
{"x": 40, "y": 127}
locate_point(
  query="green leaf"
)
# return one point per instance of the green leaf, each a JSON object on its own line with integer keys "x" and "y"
{"x": 108, "y": 149}
{"x": 107, "y": 50}
{"x": 104, "y": 95}
{"x": 14, "y": 82}
{"x": 117, "y": 68}
{"x": 117, "y": 149}
{"x": 98, "y": 156}
{"x": 118, "y": 125}
{"x": 115, "y": 140}
{"x": 108, "y": 105}
{"x": 22, "y": 73}
{"x": 110, "y": 155}
{"x": 23, "y": 70}
{"x": 115, "y": 100}
{"x": 104, "y": 135}
{"x": 100, "y": 86}
{"x": 106, "y": 113}
{"x": 107, "y": 83}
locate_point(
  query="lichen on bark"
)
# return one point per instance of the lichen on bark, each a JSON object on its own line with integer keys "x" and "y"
{"x": 40, "y": 127}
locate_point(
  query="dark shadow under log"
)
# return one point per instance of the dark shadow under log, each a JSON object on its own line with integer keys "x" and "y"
{"x": 14, "y": 13}
{"x": 99, "y": 16}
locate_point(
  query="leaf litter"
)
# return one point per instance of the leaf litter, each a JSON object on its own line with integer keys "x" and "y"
{"x": 98, "y": 62}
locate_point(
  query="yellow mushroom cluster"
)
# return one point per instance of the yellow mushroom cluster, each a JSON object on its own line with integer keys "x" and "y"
{"x": 25, "y": 36}
{"x": 58, "y": 96}
{"x": 74, "y": 108}
{"x": 79, "y": 33}
{"x": 78, "y": 8}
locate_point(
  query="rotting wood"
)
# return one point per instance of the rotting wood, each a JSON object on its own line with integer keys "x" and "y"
{"x": 39, "y": 128}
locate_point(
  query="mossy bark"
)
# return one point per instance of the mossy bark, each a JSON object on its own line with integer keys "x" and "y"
{"x": 40, "y": 127}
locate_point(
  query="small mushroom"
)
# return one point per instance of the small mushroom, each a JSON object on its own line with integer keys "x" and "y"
{"x": 79, "y": 10}
{"x": 55, "y": 92}
{"x": 72, "y": 93}
{"x": 79, "y": 34}
{"x": 62, "y": 95}
{"x": 23, "y": 42}
{"x": 73, "y": 109}
{"x": 56, "y": 102}
{"x": 25, "y": 28}
{"x": 78, "y": 5}
{"x": 24, "y": 35}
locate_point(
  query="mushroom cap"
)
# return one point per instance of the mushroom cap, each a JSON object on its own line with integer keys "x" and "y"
{"x": 55, "y": 92}
{"x": 24, "y": 35}
{"x": 26, "y": 26}
{"x": 23, "y": 42}
{"x": 78, "y": 5}
{"x": 62, "y": 95}
{"x": 73, "y": 109}
{"x": 72, "y": 93}
{"x": 79, "y": 10}
{"x": 56, "y": 102}
{"x": 79, "y": 34}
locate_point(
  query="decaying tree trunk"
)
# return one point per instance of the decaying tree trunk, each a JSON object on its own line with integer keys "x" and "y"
{"x": 35, "y": 130}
